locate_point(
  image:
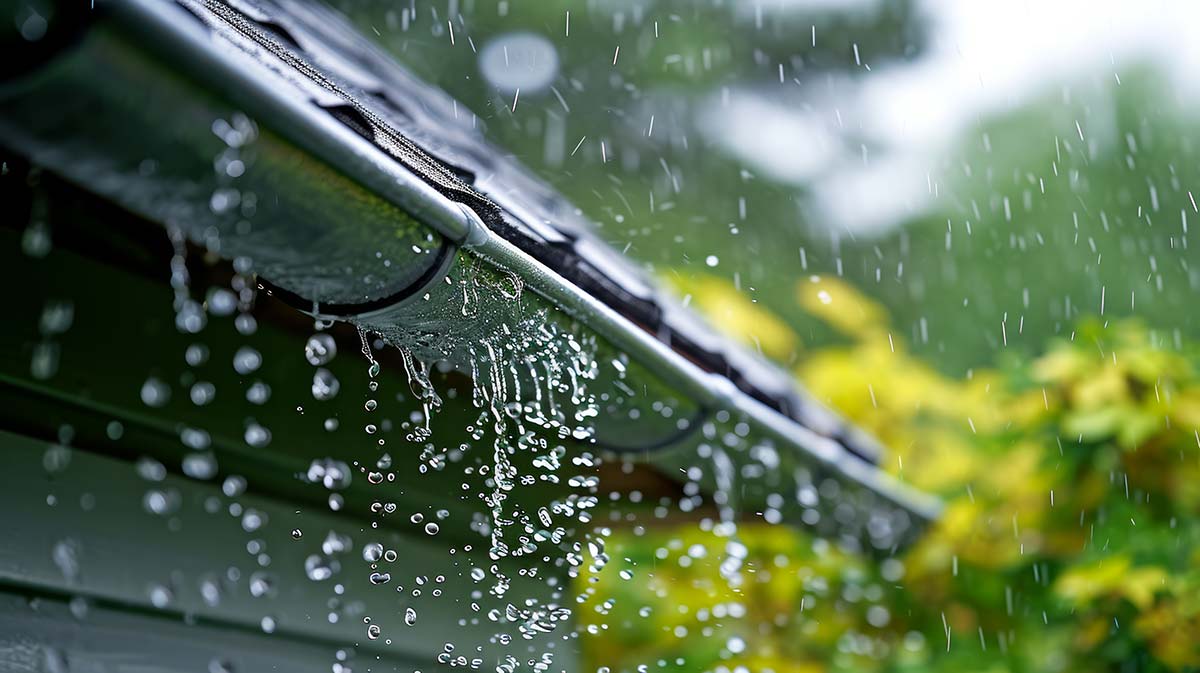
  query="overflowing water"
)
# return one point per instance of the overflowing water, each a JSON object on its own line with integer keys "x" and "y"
{"x": 529, "y": 471}
{"x": 529, "y": 386}
{"x": 506, "y": 561}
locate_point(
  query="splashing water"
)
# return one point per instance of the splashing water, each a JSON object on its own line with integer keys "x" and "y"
{"x": 529, "y": 383}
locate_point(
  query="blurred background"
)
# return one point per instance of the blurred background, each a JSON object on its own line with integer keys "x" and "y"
{"x": 965, "y": 225}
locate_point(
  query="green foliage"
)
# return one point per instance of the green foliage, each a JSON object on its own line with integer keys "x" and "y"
{"x": 1069, "y": 541}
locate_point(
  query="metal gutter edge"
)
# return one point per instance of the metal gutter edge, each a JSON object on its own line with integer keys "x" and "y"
{"x": 321, "y": 134}
{"x": 328, "y": 139}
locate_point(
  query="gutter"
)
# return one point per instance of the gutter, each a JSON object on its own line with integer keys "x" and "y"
{"x": 243, "y": 56}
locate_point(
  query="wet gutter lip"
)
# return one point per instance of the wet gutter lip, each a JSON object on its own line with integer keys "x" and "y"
{"x": 235, "y": 74}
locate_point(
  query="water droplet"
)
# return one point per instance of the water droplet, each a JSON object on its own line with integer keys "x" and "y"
{"x": 190, "y": 317}
{"x": 258, "y": 393}
{"x": 257, "y": 436}
{"x": 246, "y": 360}
{"x": 200, "y": 465}
{"x": 221, "y": 302}
{"x": 57, "y": 316}
{"x": 56, "y": 459}
{"x": 150, "y": 469}
{"x": 319, "y": 568}
{"x": 79, "y": 607}
{"x": 245, "y": 324}
{"x": 373, "y": 552}
{"x": 155, "y": 393}
{"x": 196, "y": 355}
{"x": 233, "y": 486}
{"x": 160, "y": 596}
{"x": 325, "y": 385}
{"x": 330, "y": 473}
{"x": 66, "y": 557}
{"x": 320, "y": 349}
{"x": 202, "y": 392}
{"x": 210, "y": 591}
{"x": 194, "y": 438}
{"x": 160, "y": 502}
{"x": 261, "y": 584}
{"x": 253, "y": 520}
{"x": 36, "y": 241}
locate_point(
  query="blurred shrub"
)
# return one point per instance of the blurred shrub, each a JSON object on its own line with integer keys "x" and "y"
{"x": 1069, "y": 540}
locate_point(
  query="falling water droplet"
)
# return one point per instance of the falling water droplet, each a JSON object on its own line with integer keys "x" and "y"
{"x": 320, "y": 349}
{"x": 325, "y": 385}
{"x": 257, "y": 436}
{"x": 319, "y": 568}
{"x": 155, "y": 393}
{"x": 373, "y": 552}
{"x": 196, "y": 355}
{"x": 246, "y": 360}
